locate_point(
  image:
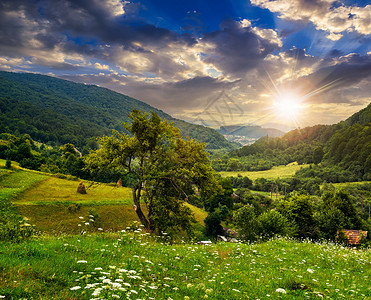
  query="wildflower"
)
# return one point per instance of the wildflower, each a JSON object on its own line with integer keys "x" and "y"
{"x": 81, "y": 261}
{"x": 236, "y": 290}
{"x": 209, "y": 291}
{"x": 310, "y": 270}
{"x": 279, "y": 290}
{"x": 96, "y": 292}
{"x": 74, "y": 288}
{"x": 115, "y": 285}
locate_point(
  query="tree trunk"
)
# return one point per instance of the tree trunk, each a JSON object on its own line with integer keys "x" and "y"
{"x": 136, "y": 197}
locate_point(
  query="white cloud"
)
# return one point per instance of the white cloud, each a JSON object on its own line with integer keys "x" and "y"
{"x": 323, "y": 15}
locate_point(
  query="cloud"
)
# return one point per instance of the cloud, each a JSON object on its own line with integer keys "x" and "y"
{"x": 325, "y": 15}
{"x": 346, "y": 71}
{"x": 345, "y": 79}
{"x": 238, "y": 47}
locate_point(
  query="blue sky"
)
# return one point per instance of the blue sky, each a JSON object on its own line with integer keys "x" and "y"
{"x": 287, "y": 62}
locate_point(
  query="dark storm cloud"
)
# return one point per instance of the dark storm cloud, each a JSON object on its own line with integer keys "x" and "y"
{"x": 172, "y": 96}
{"x": 52, "y": 23}
{"x": 237, "y": 48}
{"x": 169, "y": 96}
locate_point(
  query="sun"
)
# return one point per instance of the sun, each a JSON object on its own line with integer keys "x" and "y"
{"x": 288, "y": 106}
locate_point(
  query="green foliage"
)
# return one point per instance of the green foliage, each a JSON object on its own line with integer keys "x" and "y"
{"x": 300, "y": 213}
{"x": 247, "y": 223}
{"x": 213, "y": 226}
{"x": 164, "y": 167}
{"x": 8, "y": 164}
{"x": 340, "y": 210}
{"x": 273, "y": 223}
{"x": 223, "y": 198}
{"x": 57, "y": 111}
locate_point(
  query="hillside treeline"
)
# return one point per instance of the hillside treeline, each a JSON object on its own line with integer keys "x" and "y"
{"x": 338, "y": 151}
{"x": 55, "y": 111}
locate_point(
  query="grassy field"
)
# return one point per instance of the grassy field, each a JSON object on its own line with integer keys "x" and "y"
{"x": 350, "y": 184}
{"x": 276, "y": 172}
{"x": 53, "y": 205}
{"x": 131, "y": 265}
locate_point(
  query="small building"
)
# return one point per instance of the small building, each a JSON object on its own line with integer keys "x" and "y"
{"x": 354, "y": 236}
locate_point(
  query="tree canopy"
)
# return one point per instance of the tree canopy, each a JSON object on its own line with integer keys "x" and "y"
{"x": 165, "y": 170}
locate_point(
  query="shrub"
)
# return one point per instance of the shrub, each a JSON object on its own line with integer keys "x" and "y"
{"x": 8, "y": 163}
{"x": 212, "y": 225}
{"x": 247, "y": 223}
{"x": 273, "y": 223}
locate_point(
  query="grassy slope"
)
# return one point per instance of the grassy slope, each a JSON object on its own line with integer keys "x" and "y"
{"x": 53, "y": 205}
{"x": 275, "y": 172}
{"x": 47, "y": 268}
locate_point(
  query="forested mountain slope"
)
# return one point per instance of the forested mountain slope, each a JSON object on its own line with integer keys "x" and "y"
{"x": 61, "y": 111}
{"x": 346, "y": 144}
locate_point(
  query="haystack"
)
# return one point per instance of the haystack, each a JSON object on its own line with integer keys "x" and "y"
{"x": 81, "y": 188}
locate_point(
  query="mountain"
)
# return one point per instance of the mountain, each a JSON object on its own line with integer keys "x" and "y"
{"x": 346, "y": 144}
{"x": 247, "y": 134}
{"x": 252, "y": 131}
{"x": 60, "y": 111}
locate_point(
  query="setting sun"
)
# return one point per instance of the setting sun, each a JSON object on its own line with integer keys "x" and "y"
{"x": 287, "y": 106}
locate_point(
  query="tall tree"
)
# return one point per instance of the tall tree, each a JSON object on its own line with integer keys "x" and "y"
{"x": 166, "y": 169}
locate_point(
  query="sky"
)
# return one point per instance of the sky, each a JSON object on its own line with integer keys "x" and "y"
{"x": 274, "y": 63}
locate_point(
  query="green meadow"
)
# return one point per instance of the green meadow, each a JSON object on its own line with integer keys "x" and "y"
{"x": 53, "y": 205}
{"x": 276, "y": 172}
{"x": 90, "y": 247}
{"x": 133, "y": 265}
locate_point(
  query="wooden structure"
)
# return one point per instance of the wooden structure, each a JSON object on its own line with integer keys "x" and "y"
{"x": 354, "y": 236}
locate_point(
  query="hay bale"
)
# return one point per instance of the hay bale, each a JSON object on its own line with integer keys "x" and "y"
{"x": 81, "y": 188}
{"x": 119, "y": 183}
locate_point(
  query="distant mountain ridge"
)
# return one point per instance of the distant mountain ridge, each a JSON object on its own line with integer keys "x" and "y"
{"x": 346, "y": 144}
{"x": 247, "y": 134}
{"x": 253, "y": 131}
{"x": 60, "y": 111}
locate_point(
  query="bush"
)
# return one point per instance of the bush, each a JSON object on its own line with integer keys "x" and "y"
{"x": 213, "y": 226}
{"x": 247, "y": 223}
{"x": 273, "y": 223}
{"x": 15, "y": 230}
{"x": 8, "y": 164}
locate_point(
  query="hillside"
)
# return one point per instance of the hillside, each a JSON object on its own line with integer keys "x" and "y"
{"x": 346, "y": 144}
{"x": 53, "y": 206}
{"x": 61, "y": 111}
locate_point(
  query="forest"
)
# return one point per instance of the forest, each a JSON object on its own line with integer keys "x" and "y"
{"x": 56, "y": 112}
